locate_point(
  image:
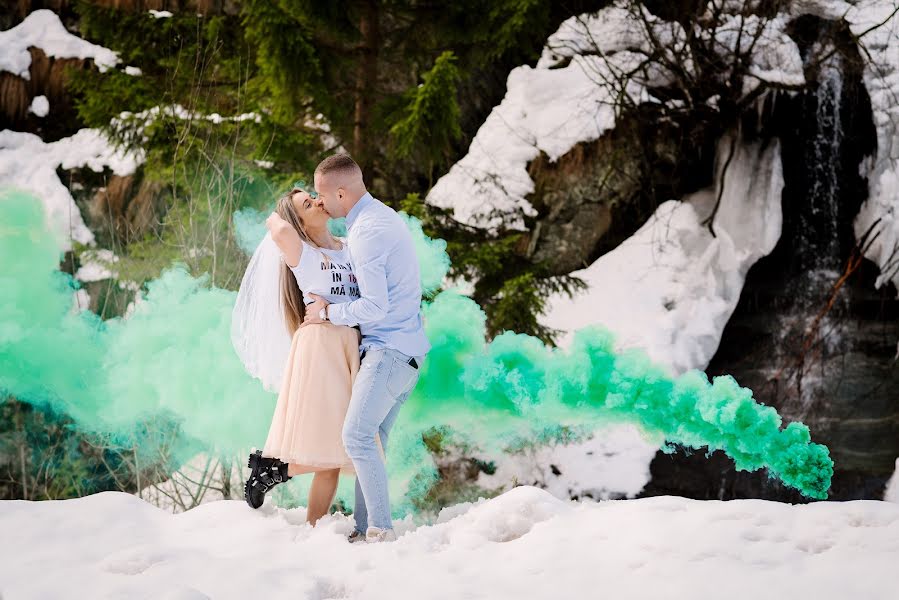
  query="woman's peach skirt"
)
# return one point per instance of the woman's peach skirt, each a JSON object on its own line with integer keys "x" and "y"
{"x": 318, "y": 380}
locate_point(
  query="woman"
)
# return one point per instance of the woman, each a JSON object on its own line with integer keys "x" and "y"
{"x": 305, "y": 433}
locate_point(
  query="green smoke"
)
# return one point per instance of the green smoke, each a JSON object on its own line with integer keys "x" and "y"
{"x": 516, "y": 381}
{"x": 173, "y": 356}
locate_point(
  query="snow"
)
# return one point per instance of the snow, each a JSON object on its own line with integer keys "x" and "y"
{"x": 571, "y": 96}
{"x": 523, "y": 544}
{"x": 138, "y": 298}
{"x": 824, "y": 9}
{"x": 322, "y": 127}
{"x": 29, "y": 164}
{"x": 133, "y": 71}
{"x": 891, "y": 494}
{"x": 160, "y": 14}
{"x": 43, "y": 29}
{"x": 40, "y": 106}
{"x": 774, "y": 57}
{"x": 138, "y": 122}
{"x": 95, "y": 265}
{"x": 881, "y": 78}
{"x": 199, "y": 480}
{"x": 613, "y": 463}
{"x": 547, "y": 109}
{"x": 671, "y": 287}
{"x": 81, "y": 300}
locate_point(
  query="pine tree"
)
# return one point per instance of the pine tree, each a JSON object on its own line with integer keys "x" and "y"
{"x": 431, "y": 123}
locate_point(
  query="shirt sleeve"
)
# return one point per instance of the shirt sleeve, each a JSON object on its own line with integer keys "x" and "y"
{"x": 369, "y": 252}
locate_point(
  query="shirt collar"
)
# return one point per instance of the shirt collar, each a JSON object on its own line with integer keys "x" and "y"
{"x": 354, "y": 213}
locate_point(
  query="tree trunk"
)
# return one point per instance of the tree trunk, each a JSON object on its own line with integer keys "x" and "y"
{"x": 22, "y": 442}
{"x": 140, "y": 493}
{"x": 366, "y": 80}
{"x": 226, "y": 479}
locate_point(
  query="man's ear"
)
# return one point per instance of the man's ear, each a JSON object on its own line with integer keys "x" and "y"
{"x": 341, "y": 193}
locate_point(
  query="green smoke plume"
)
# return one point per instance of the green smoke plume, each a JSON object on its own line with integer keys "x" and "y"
{"x": 476, "y": 386}
{"x": 173, "y": 356}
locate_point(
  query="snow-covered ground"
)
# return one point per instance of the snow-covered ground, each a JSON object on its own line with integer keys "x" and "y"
{"x": 523, "y": 544}
{"x": 612, "y": 463}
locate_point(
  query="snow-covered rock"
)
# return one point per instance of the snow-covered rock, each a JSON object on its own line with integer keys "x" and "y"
{"x": 549, "y": 109}
{"x": 40, "y": 106}
{"x": 877, "y": 22}
{"x": 774, "y": 57}
{"x": 96, "y": 265}
{"x": 892, "y": 492}
{"x": 29, "y": 164}
{"x": 671, "y": 287}
{"x": 43, "y": 29}
{"x": 571, "y": 96}
{"x": 669, "y": 290}
{"x": 523, "y": 544}
{"x": 81, "y": 300}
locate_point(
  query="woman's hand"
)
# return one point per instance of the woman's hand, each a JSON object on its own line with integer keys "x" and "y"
{"x": 275, "y": 223}
{"x": 286, "y": 238}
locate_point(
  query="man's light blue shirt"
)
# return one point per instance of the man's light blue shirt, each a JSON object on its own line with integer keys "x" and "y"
{"x": 386, "y": 269}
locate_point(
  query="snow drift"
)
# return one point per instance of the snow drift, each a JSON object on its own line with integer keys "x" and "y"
{"x": 523, "y": 544}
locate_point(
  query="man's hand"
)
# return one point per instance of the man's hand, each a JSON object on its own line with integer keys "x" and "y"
{"x": 313, "y": 310}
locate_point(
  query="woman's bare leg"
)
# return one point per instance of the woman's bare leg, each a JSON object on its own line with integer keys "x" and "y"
{"x": 321, "y": 494}
{"x": 294, "y": 469}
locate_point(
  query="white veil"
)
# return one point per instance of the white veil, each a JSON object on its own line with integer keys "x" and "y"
{"x": 258, "y": 328}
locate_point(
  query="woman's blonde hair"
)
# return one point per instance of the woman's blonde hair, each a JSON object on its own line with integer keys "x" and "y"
{"x": 291, "y": 294}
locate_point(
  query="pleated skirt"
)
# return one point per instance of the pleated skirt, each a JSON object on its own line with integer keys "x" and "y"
{"x": 315, "y": 392}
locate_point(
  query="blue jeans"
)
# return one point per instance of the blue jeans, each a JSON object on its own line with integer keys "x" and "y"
{"x": 383, "y": 384}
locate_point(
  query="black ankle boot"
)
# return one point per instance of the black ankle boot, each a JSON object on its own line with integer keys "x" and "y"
{"x": 265, "y": 473}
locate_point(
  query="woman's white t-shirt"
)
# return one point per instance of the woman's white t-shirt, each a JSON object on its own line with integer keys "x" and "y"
{"x": 329, "y": 276}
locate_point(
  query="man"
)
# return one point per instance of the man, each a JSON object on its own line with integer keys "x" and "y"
{"x": 393, "y": 340}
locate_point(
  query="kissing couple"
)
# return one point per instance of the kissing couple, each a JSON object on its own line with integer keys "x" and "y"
{"x": 338, "y": 328}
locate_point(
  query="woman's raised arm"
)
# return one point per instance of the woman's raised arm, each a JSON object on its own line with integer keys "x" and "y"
{"x": 286, "y": 238}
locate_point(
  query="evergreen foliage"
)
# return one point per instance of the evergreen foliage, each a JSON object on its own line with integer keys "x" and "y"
{"x": 381, "y": 80}
{"x": 431, "y": 124}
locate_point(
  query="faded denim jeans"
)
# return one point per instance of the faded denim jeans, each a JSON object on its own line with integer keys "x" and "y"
{"x": 383, "y": 384}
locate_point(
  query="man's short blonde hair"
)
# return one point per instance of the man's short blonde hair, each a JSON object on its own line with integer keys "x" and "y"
{"x": 338, "y": 163}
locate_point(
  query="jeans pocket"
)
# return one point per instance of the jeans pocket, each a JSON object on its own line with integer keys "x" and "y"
{"x": 402, "y": 378}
